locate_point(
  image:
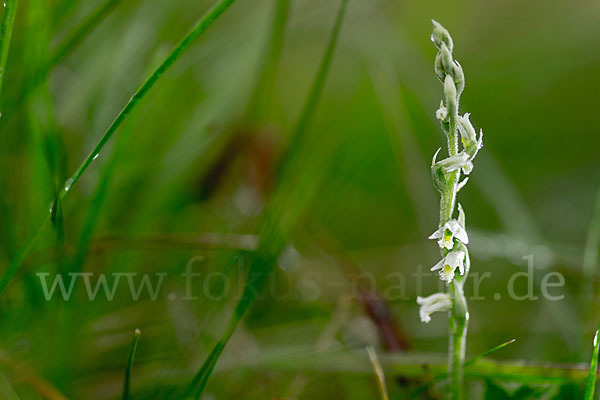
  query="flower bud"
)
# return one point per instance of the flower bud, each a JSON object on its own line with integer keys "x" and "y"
{"x": 467, "y": 132}
{"x": 440, "y": 35}
{"x": 459, "y": 77}
{"x": 442, "y": 113}
{"x": 438, "y": 68}
{"x": 450, "y": 94}
{"x": 447, "y": 62}
{"x": 452, "y": 163}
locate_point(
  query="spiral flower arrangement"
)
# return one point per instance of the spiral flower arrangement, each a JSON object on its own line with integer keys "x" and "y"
{"x": 451, "y": 234}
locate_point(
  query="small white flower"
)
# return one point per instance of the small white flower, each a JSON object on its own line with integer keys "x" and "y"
{"x": 469, "y": 137}
{"x": 467, "y": 132}
{"x": 450, "y": 230}
{"x": 467, "y": 168}
{"x": 433, "y": 303}
{"x": 448, "y": 265}
{"x": 442, "y": 113}
{"x": 455, "y": 162}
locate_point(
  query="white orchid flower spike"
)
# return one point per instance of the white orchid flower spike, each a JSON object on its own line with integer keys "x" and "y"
{"x": 455, "y": 228}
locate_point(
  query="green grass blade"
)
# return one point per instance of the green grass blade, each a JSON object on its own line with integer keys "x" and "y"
{"x": 19, "y": 257}
{"x": 6, "y": 390}
{"x": 126, "y": 385}
{"x": 378, "y": 372}
{"x": 317, "y": 87}
{"x": 6, "y": 28}
{"x": 265, "y": 80}
{"x": 490, "y": 351}
{"x": 272, "y": 241}
{"x": 82, "y": 30}
{"x": 71, "y": 42}
{"x": 590, "y": 257}
{"x": 98, "y": 198}
{"x": 590, "y": 387}
{"x": 204, "y": 23}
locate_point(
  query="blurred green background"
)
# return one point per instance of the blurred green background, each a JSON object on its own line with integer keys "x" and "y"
{"x": 193, "y": 167}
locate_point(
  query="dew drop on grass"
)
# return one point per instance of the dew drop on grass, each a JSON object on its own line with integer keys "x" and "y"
{"x": 96, "y": 156}
{"x": 68, "y": 184}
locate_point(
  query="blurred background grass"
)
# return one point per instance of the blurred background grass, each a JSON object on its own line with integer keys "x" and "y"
{"x": 199, "y": 155}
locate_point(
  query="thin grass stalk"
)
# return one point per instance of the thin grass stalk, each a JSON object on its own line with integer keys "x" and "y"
{"x": 590, "y": 258}
{"x": 204, "y": 23}
{"x": 490, "y": 351}
{"x": 82, "y": 30}
{"x": 132, "y": 349}
{"x": 265, "y": 80}
{"x": 6, "y": 28}
{"x": 71, "y": 41}
{"x": 378, "y": 373}
{"x": 6, "y": 390}
{"x": 590, "y": 387}
{"x": 474, "y": 360}
{"x": 272, "y": 241}
{"x": 98, "y": 199}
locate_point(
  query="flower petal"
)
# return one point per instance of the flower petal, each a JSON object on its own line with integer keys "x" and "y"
{"x": 458, "y": 229}
{"x": 434, "y": 303}
{"x": 452, "y": 163}
{"x": 437, "y": 234}
{"x": 461, "y": 216}
{"x": 461, "y": 235}
{"x": 439, "y": 265}
{"x": 467, "y": 167}
{"x": 446, "y": 242}
{"x": 455, "y": 258}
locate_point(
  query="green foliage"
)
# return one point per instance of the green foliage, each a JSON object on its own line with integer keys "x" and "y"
{"x": 590, "y": 387}
{"x": 275, "y": 146}
{"x": 127, "y": 384}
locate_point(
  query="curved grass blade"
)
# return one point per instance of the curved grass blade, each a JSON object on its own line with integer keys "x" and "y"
{"x": 490, "y": 351}
{"x": 98, "y": 197}
{"x": 272, "y": 241}
{"x": 82, "y": 30}
{"x": 590, "y": 257}
{"x": 472, "y": 361}
{"x": 263, "y": 88}
{"x": 378, "y": 372}
{"x": 6, "y": 390}
{"x": 205, "y": 22}
{"x": 590, "y": 387}
{"x": 71, "y": 42}
{"x": 134, "y": 343}
{"x": 6, "y": 28}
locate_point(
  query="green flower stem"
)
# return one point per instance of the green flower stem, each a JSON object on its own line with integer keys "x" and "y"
{"x": 458, "y": 338}
{"x": 448, "y": 200}
{"x": 459, "y": 314}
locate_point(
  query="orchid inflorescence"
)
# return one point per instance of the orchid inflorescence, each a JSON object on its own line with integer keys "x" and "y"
{"x": 451, "y": 235}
